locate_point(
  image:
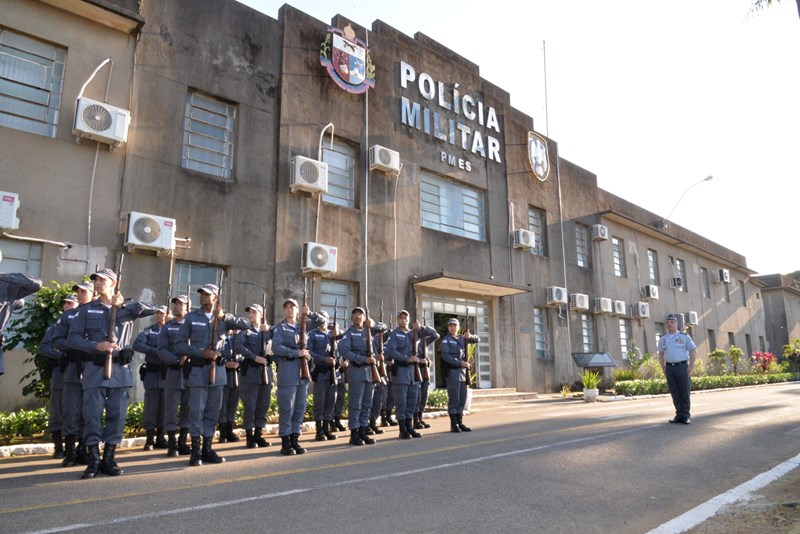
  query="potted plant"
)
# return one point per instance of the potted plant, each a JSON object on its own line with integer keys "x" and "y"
{"x": 591, "y": 380}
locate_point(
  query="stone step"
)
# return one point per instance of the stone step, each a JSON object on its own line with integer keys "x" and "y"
{"x": 499, "y": 398}
{"x": 491, "y": 391}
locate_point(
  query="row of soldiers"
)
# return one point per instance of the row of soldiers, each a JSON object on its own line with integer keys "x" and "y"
{"x": 192, "y": 362}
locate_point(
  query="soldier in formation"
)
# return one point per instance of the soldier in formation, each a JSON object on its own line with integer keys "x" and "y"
{"x": 176, "y": 390}
{"x": 455, "y": 366}
{"x": 255, "y": 377}
{"x": 151, "y": 374}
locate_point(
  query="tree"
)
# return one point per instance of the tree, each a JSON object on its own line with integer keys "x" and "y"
{"x": 758, "y": 5}
{"x": 795, "y": 275}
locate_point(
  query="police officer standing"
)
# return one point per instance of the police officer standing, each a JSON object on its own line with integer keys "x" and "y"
{"x": 13, "y": 288}
{"x": 176, "y": 392}
{"x": 381, "y": 387}
{"x": 676, "y": 354}
{"x": 319, "y": 344}
{"x": 455, "y": 366}
{"x": 353, "y": 348}
{"x": 205, "y": 391}
{"x": 400, "y": 347}
{"x": 153, "y": 417}
{"x": 88, "y": 333}
{"x": 255, "y": 381}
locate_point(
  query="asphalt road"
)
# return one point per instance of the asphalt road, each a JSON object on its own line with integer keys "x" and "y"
{"x": 526, "y": 467}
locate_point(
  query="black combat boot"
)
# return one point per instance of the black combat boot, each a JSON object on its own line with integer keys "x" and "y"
{"x": 403, "y": 432}
{"x": 355, "y": 437}
{"x": 149, "y": 443}
{"x": 420, "y": 422}
{"x": 248, "y": 433}
{"x": 92, "y": 462}
{"x": 296, "y": 445}
{"x": 374, "y": 427}
{"x": 172, "y": 444}
{"x": 69, "y": 452}
{"x": 81, "y": 453}
{"x": 286, "y": 446}
{"x": 208, "y": 453}
{"x": 320, "y": 435}
{"x": 230, "y": 435}
{"x": 261, "y": 442}
{"x": 58, "y": 446}
{"x": 108, "y": 465}
{"x": 384, "y": 421}
{"x": 223, "y": 436}
{"x": 327, "y": 429}
{"x": 183, "y": 448}
{"x": 454, "y": 424}
{"x": 337, "y": 424}
{"x": 365, "y": 437}
{"x": 161, "y": 443}
{"x": 196, "y": 457}
{"x": 389, "y": 419}
{"x": 410, "y": 429}
{"x": 461, "y": 425}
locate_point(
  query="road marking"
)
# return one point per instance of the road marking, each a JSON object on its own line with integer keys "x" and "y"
{"x": 327, "y": 486}
{"x": 742, "y": 492}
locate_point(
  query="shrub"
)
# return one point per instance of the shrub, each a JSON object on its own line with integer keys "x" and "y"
{"x": 735, "y": 354}
{"x": 791, "y": 353}
{"x": 23, "y": 423}
{"x": 699, "y": 368}
{"x": 762, "y": 361}
{"x": 717, "y": 365}
{"x": 655, "y": 387}
{"x": 650, "y": 370}
{"x": 621, "y": 374}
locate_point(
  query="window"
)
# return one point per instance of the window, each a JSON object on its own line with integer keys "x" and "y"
{"x": 731, "y": 340}
{"x": 537, "y": 223}
{"x": 337, "y": 296}
{"x": 21, "y": 257}
{"x": 748, "y": 343}
{"x": 624, "y": 336}
{"x": 582, "y": 245}
{"x": 761, "y": 345}
{"x": 726, "y": 291}
{"x": 744, "y": 293}
{"x": 540, "y": 333}
{"x": 652, "y": 266}
{"x": 704, "y": 285}
{"x": 208, "y": 136}
{"x": 618, "y": 252}
{"x": 341, "y": 160}
{"x": 451, "y": 207}
{"x": 192, "y": 276}
{"x": 659, "y": 331}
{"x": 712, "y": 340}
{"x": 680, "y": 270}
{"x": 587, "y": 333}
{"x": 31, "y": 76}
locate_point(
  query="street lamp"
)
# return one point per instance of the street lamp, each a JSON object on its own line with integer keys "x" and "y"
{"x": 665, "y": 222}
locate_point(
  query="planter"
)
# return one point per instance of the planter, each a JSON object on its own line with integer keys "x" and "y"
{"x": 590, "y": 395}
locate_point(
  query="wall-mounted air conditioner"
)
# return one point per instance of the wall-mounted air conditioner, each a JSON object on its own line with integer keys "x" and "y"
{"x": 676, "y": 282}
{"x": 640, "y": 310}
{"x": 651, "y": 292}
{"x": 306, "y": 174}
{"x": 152, "y": 232}
{"x": 603, "y": 305}
{"x": 101, "y": 122}
{"x": 556, "y": 295}
{"x": 620, "y": 307}
{"x": 524, "y": 239}
{"x": 692, "y": 318}
{"x": 599, "y": 232}
{"x": 318, "y": 258}
{"x": 579, "y": 302}
{"x": 724, "y": 276}
{"x": 384, "y": 159}
{"x": 9, "y": 203}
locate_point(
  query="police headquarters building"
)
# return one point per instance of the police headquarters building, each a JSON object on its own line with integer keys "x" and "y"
{"x": 378, "y": 167}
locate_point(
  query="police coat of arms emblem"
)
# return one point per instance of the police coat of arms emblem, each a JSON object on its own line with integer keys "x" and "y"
{"x": 538, "y": 156}
{"x": 347, "y": 60}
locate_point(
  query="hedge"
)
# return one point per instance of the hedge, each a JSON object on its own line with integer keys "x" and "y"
{"x": 658, "y": 386}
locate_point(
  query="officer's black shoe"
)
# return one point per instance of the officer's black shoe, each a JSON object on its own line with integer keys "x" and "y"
{"x": 337, "y": 425}
{"x": 384, "y": 421}
{"x": 355, "y": 437}
{"x": 286, "y": 446}
{"x": 258, "y": 440}
{"x": 461, "y": 425}
{"x": 172, "y": 444}
{"x": 391, "y": 421}
{"x": 327, "y": 429}
{"x": 676, "y": 419}
{"x": 250, "y": 444}
{"x": 410, "y": 429}
{"x": 196, "y": 457}
{"x": 208, "y": 454}
{"x": 69, "y": 452}
{"x": 320, "y": 435}
{"x": 223, "y": 436}
{"x": 295, "y": 445}
{"x": 374, "y": 427}
{"x": 58, "y": 446}
{"x": 183, "y": 448}
{"x": 364, "y": 436}
{"x": 686, "y": 421}
{"x": 93, "y": 462}
{"x": 81, "y": 454}
{"x": 161, "y": 443}
{"x": 421, "y": 422}
{"x": 454, "y": 424}
{"x": 403, "y": 432}
{"x": 149, "y": 443}
{"x": 108, "y": 465}
{"x": 230, "y": 435}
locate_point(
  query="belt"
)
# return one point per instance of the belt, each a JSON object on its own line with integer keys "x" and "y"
{"x": 675, "y": 364}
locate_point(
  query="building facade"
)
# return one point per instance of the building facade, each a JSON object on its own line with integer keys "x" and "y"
{"x": 782, "y": 306}
{"x": 440, "y": 199}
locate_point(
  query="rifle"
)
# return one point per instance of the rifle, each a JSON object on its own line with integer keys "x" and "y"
{"x": 424, "y": 370}
{"x": 112, "y": 323}
{"x": 304, "y": 373}
{"x": 332, "y": 352}
{"x": 468, "y": 370}
{"x": 376, "y": 377}
{"x": 414, "y": 343}
{"x": 382, "y": 364}
{"x": 212, "y": 373}
{"x": 264, "y": 372}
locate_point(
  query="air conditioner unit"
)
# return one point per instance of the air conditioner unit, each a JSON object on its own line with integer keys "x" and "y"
{"x": 556, "y": 295}
{"x": 578, "y": 301}
{"x": 599, "y": 232}
{"x": 651, "y": 292}
{"x": 681, "y": 321}
{"x": 306, "y": 174}
{"x": 724, "y": 276}
{"x": 101, "y": 122}
{"x": 676, "y": 282}
{"x": 603, "y": 305}
{"x": 151, "y": 232}
{"x": 384, "y": 159}
{"x": 9, "y": 203}
{"x": 524, "y": 239}
{"x": 640, "y": 310}
{"x": 692, "y": 318}
{"x": 318, "y": 258}
{"x": 619, "y": 307}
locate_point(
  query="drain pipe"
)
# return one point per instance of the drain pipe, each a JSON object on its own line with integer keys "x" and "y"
{"x": 319, "y": 158}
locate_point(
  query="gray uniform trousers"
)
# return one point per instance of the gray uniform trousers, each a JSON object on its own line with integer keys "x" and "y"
{"x": 292, "y": 407}
{"x": 154, "y": 413}
{"x": 115, "y": 401}
{"x": 360, "y": 404}
{"x": 378, "y": 400}
{"x": 680, "y": 386}
{"x": 423, "y": 396}
{"x": 324, "y": 397}
{"x": 405, "y": 399}
{"x": 230, "y": 399}
{"x": 456, "y": 394}
{"x": 255, "y": 398}
{"x": 341, "y": 391}
{"x": 204, "y": 403}
{"x": 72, "y": 405}
{"x": 173, "y": 418}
